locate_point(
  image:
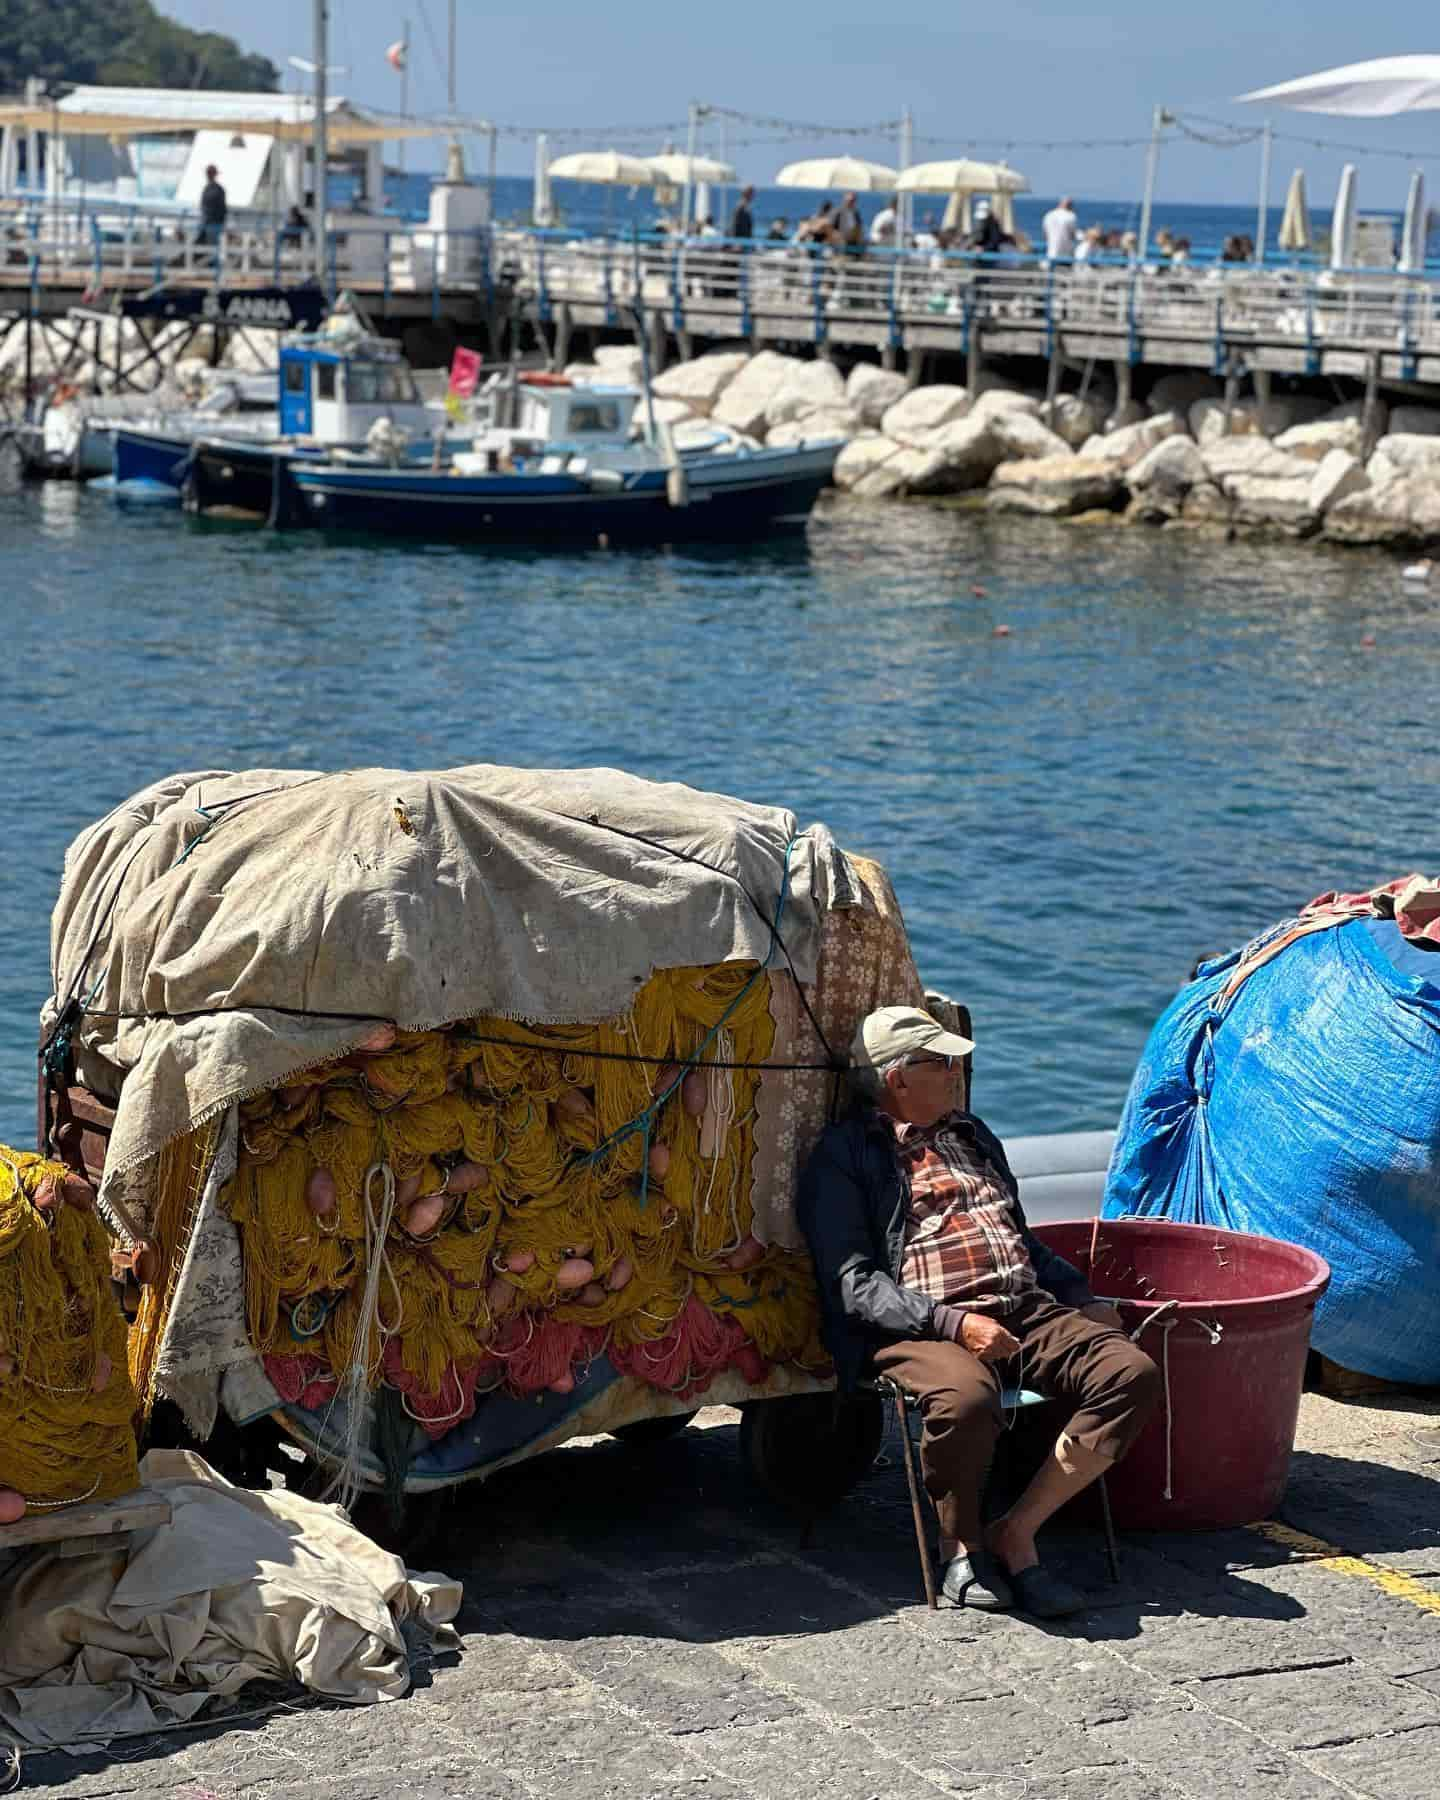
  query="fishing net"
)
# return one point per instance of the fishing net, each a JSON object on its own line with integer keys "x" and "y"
{"x": 66, "y": 1405}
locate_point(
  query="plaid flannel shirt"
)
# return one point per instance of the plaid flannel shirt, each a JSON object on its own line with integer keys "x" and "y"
{"x": 963, "y": 1242}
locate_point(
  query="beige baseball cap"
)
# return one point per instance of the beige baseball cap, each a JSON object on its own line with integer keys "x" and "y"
{"x": 895, "y": 1031}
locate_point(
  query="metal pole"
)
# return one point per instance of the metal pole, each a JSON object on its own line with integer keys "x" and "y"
{"x": 322, "y": 147}
{"x": 689, "y": 165}
{"x": 1262, "y": 218}
{"x": 905, "y": 203}
{"x": 1152, "y": 164}
{"x": 404, "y": 83}
{"x": 450, "y": 92}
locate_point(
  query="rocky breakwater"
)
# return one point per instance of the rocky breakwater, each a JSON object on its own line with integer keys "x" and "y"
{"x": 1295, "y": 465}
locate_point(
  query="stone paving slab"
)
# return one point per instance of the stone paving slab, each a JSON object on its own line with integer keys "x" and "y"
{"x": 641, "y": 1623}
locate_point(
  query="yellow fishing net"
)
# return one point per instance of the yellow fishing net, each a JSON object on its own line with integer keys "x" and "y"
{"x": 66, "y": 1404}
{"x": 499, "y": 1200}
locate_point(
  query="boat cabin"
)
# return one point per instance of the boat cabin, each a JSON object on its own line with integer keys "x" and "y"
{"x": 550, "y": 416}
{"x": 334, "y": 392}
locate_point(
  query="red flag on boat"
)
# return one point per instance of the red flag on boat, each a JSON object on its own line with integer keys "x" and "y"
{"x": 395, "y": 55}
{"x": 464, "y": 372}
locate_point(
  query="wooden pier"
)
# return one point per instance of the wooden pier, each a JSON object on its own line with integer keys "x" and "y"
{"x": 564, "y": 291}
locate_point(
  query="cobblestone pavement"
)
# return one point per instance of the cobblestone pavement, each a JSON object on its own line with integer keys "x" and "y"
{"x": 639, "y": 1623}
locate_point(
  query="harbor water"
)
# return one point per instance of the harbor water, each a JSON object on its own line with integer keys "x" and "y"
{"x": 1174, "y": 743}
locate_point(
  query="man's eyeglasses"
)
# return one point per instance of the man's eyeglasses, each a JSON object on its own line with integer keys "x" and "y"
{"x": 920, "y": 1062}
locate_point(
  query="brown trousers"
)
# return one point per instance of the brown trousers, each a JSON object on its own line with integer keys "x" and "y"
{"x": 1111, "y": 1384}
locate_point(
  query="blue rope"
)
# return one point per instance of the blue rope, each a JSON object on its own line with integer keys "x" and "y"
{"x": 644, "y": 1122}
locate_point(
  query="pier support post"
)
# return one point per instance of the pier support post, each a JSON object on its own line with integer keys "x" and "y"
{"x": 914, "y": 368}
{"x": 687, "y": 345}
{"x": 564, "y": 329}
{"x": 659, "y": 343}
{"x": 1052, "y": 379}
{"x": 1232, "y": 391}
{"x": 889, "y": 358}
{"x": 974, "y": 361}
{"x": 1369, "y": 414}
{"x": 1260, "y": 383}
{"x": 1121, "y": 366}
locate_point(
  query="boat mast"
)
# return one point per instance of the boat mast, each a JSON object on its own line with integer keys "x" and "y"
{"x": 322, "y": 148}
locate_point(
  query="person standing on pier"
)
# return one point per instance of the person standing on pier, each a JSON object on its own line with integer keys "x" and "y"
{"x": 742, "y": 220}
{"x": 929, "y": 1274}
{"x": 213, "y": 208}
{"x": 1060, "y": 226}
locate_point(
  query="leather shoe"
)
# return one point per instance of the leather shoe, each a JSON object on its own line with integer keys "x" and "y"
{"x": 1044, "y": 1595}
{"x": 977, "y": 1580}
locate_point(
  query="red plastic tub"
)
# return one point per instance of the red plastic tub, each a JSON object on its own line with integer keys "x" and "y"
{"x": 1217, "y": 1451}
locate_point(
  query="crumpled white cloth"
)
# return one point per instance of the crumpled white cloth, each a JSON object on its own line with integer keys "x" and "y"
{"x": 238, "y": 1587}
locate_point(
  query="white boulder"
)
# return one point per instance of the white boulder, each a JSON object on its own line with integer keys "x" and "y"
{"x": 1409, "y": 452}
{"x": 1075, "y": 418}
{"x": 620, "y": 364}
{"x": 862, "y": 457}
{"x": 871, "y": 392}
{"x": 1130, "y": 442}
{"x": 1168, "y": 470}
{"x": 1056, "y": 486}
{"x": 1211, "y": 420}
{"x": 996, "y": 403}
{"x": 1273, "y": 500}
{"x": 702, "y": 380}
{"x": 1316, "y": 442}
{"x": 1402, "y": 511}
{"x": 1338, "y": 477}
{"x": 810, "y": 388}
{"x": 1230, "y": 457}
{"x": 923, "y": 410}
{"x": 744, "y": 400}
{"x": 1021, "y": 436}
{"x": 827, "y": 422}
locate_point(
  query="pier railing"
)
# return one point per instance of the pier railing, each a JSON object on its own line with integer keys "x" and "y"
{"x": 1201, "y": 315}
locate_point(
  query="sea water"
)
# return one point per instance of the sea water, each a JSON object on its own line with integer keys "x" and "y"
{"x": 1175, "y": 743}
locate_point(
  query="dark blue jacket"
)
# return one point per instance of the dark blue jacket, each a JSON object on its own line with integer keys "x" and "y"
{"x": 854, "y": 1198}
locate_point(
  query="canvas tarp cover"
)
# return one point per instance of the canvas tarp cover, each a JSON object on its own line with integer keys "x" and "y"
{"x": 224, "y": 930}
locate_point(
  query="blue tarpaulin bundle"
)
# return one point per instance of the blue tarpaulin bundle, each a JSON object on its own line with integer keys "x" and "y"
{"x": 1301, "y": 1100}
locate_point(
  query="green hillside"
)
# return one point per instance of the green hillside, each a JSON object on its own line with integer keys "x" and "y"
{"x": 124, "y": 42}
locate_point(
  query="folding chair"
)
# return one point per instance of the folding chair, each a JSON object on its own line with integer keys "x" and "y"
{"x": 1014, "y": 1400}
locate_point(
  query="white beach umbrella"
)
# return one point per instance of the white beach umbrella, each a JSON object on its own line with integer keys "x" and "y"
{"x": 1342, "y": 225}
{"x": 962, "y": 175}
{"x": 543, "y": 207}
{"x": 674, "y": 168}
{"x": 845, "y": 172}
{"x": 1416, "y": 229}
{"x": 609, "y": 168}
{"x": 1363, "y": 90}
{"x": 1295, "y": 225}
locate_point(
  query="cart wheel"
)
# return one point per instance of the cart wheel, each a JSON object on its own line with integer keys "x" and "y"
{"x": 644, "y": 1432}
{"x": 809, "y": 1450}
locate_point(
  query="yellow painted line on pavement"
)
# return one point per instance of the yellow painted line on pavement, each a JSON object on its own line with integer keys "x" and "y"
{"x": 1331, "y": 1556}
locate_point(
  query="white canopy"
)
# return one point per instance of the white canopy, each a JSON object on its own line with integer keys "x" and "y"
{"x": 674, "y": 168}
{"x": 848, "y": 172}
{"x": 963, "y": 176}
{"x": 609, "y": 167}
{"x": 1363, "y": 90}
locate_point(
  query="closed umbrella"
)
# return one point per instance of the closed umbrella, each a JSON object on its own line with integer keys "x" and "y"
{"x": 1415, "y": 231}
{"x": 846, "y": 172}
{"x": 1342, "y": 226}
{"x": 1295, "y": 226}
{"x": 543, "y": 207}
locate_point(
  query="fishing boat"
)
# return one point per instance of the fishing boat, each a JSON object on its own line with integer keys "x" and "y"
{"x": 74, "y": 439}
{"x": 570, "y": 462}
{"x": 333, "y": 394}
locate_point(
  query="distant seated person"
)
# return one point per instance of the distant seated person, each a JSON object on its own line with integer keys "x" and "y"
{"x": 928, "y": 1274}
{"x": 819, "y": 228}
{"x": 295, "y": 228}
{"x": 988, "y": 237}
{"x": 213, "y": 208}
{"x": 779, "y": 232}
{"x": 1180, "y": 252}
{"x": 1237, "y": 248}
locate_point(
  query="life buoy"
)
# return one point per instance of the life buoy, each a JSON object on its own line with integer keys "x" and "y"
{"x": 544, "y": 378}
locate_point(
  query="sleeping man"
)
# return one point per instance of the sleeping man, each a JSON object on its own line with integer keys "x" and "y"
{"x": 929, "y": 1274}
